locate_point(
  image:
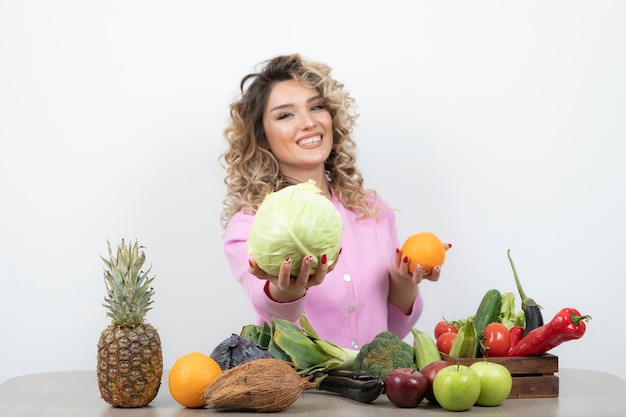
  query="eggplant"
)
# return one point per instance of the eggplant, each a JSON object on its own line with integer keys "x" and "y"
{"x": 357, "y": 376}
{"x": 532, "y": 310}
{"x": 533, "y": 317}
{"x": 353, "y": 385}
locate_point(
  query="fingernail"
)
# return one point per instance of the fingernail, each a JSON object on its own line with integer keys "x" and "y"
{"x": 397, "y": 250}
{"x": 340, "y": 249}
{"x": 250, "y": 262}
{"x": 323, "y": 260}
{"x": 405, "y": 259}
{"x": 419, "y": 266}
{"x": 308, "y": 259}
{"x": 287, "y": 261}
{"x": 449, "y": 245}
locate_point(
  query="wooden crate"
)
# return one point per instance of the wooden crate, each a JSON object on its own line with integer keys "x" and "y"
{"x": 533, "y": 376}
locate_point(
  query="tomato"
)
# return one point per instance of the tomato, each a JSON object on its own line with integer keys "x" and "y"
{"x": 444, "y": 342}
{"x": 497, "y": 339}
{"x": 444, "y": 327}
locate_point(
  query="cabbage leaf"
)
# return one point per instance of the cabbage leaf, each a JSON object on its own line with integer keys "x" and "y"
{"x": 507, "y": 315}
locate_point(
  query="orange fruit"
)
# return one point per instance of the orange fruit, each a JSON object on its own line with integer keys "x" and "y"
{"x": 190, "y": 376}
{"x": 423, "y": 248}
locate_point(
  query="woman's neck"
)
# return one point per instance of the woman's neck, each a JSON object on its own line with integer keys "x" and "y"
{"x": 320, "y": 182}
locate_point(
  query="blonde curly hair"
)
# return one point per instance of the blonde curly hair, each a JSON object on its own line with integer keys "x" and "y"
{"x": 252, "y": 171}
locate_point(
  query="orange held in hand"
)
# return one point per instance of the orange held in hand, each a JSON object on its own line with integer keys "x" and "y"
{"x": 424, "y": 248}
{"x": 190, "y": 376}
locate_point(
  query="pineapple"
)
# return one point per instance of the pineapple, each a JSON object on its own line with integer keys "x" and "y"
{"x": 130, "y": 360}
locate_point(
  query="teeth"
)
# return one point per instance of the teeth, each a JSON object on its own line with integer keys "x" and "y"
{"x": 311, "y": 140}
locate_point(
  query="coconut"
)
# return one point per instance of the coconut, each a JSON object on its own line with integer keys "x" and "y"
{"x": 263, "y": 385}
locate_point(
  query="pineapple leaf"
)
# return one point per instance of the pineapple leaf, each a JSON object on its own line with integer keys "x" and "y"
{"x": 129, "y": 291}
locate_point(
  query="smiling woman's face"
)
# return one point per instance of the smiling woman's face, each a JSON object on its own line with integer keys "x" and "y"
{"x": 298, "y": 128}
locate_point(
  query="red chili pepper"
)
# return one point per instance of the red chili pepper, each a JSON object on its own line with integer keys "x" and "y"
{"x": 566, "y": 325}
{"x": 515, "y": 335}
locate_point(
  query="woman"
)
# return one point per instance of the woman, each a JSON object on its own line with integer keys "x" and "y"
{"x": 293, "y": 123}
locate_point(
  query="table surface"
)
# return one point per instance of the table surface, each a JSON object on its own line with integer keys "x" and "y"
{"x": 75, "y": 394}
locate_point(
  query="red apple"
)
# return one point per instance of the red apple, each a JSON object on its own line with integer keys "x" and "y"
{"x": 429, "y": 372}
{"x": 405, "y": 387}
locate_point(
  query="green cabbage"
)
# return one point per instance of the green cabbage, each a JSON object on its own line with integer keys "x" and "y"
{"x": 292, "y": 223}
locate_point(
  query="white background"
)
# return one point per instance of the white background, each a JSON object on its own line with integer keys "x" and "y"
{"x": 495, "y": 125}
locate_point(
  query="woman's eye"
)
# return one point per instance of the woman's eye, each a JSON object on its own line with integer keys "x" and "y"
{"x": 319, "y": 107}
{"x": 283, "y": 116}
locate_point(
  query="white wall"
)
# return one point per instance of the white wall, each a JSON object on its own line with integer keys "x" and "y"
{"x": 495, "y": 125}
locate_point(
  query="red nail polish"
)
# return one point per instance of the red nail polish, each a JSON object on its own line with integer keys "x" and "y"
{"x": 397, "y": 250}
{"x": 250, "y": 262}
{"x": 405, "y": 259}
{"x": 287, "y": 261}
{"x": 340, "y": 249}
{"x": 324, "y": 259}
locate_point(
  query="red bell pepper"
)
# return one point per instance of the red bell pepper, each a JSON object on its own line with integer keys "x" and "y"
{"x": 515, "y": 335}
{"x": 567, "y": 324}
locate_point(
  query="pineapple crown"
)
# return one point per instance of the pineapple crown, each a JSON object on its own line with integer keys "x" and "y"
{"x": 129, "y": 293}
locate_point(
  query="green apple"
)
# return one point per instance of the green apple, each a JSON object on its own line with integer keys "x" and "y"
{"x": 456, "y": 387}
{"x": 495, "y": 382}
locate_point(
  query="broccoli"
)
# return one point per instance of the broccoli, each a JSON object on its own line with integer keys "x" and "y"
{"x": 384, "y": 353}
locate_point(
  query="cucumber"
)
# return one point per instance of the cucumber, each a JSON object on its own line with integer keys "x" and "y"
{"x": 487, "y": 313}
{"x": 425, "y": 347}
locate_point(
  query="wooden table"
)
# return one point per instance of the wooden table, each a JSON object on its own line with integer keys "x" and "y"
{"x": 75, "y": 394}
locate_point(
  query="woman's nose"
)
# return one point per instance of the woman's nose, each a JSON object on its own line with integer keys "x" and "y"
{"x": 308, "y": 122}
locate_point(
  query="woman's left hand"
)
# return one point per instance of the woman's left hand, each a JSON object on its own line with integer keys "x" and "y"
{"x": 400, "y": 269}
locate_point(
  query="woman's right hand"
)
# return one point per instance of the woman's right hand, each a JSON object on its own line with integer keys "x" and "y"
{"x": 285, "y": 287}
